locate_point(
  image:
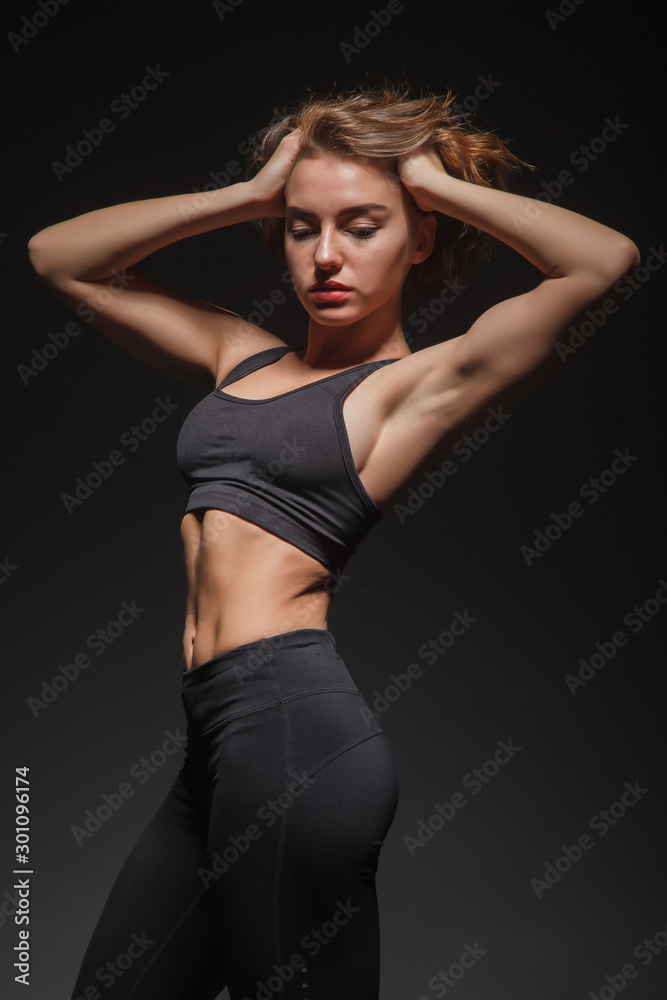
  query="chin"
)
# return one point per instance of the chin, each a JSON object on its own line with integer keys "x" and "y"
{"x": 332, "y": 314}
{"x": 334, "y": 317}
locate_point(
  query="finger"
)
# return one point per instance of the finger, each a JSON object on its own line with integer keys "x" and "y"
{"x": 294, "y": 134}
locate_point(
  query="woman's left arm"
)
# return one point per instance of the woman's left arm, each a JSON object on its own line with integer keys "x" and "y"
{"x": 512, "y": 344}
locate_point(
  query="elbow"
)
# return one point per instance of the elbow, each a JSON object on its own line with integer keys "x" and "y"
{"x": 43, "y": 256}
{"x": 624, "y": 259}
{"x": 633, "y": 258}
{"x": 613, "y": 262}
{"x": 36, "y": 252}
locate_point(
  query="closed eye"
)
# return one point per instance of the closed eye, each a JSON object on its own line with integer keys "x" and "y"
{"x": 360, "y": 232}
{"x": 300, "y": 234}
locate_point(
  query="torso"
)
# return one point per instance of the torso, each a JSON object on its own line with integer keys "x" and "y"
{"x": 245, "y": 583}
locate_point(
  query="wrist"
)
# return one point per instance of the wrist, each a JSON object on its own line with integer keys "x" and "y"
{"x": 224, "y": 206}
{"x": 261, "y": 203}
{"x": 439, "y": 192}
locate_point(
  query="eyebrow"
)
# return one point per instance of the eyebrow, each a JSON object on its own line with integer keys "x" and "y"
{"x": 353, "y": 210}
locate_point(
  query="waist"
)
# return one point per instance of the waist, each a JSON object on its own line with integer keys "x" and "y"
{"x": 244, "y": 619}
{"x": 245, "y": 583}
{"x": 264, "y": 675}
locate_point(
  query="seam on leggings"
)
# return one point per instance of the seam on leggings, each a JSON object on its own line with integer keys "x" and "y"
{"x": 316, "y": 691}
{"x": 277, "y": 871}
{"x": 272, "y": 704}
{"x": 156, "y": 955}
{"x": 338, "y": 753}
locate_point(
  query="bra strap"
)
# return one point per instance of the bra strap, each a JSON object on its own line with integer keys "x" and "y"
{"x": 255, "y": 361}
{"x": 343, "y": 382}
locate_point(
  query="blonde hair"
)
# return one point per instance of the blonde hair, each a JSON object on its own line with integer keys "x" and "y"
{"x": 382, "y": 123}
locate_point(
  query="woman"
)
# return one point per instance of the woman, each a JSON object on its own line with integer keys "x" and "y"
{"x": 258, "y": 870}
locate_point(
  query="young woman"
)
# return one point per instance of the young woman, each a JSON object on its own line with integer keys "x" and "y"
{"x": 257, "y": 872}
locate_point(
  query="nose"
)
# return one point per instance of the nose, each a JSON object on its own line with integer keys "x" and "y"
{"x": 327, "y": 251}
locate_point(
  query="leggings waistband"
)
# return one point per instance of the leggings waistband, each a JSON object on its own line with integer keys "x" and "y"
{"x": 258, "y": 650}
{"x": 263, "y": 673}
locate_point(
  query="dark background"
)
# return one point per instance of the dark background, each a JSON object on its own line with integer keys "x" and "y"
{"x": 66, "y": 575}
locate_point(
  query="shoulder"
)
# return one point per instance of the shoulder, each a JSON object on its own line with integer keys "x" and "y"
{"x": 241, "y": 340}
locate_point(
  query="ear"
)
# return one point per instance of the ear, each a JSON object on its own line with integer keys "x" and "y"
{"x": 424, "y": 237}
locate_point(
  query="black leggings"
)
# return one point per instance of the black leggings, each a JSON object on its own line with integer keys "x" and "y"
{"x": 258, "y": 870}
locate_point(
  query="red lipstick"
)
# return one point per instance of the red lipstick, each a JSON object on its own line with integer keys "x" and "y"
{"x": 329, "y": 291}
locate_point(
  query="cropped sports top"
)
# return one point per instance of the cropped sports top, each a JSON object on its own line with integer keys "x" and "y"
{"x": 283, "y": 463}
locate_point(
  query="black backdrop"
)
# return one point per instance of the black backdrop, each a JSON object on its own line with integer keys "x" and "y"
{"x": 576, "y": 89}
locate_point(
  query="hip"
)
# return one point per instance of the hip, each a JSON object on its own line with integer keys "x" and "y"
{"x": 268, "y": 672}
{"x": 273, "y": 718}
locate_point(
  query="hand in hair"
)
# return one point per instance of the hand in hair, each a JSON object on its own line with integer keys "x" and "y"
{"x": 417, "y": 170}
{"x": 268, "y": 186}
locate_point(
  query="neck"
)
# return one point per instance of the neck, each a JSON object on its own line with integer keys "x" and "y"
{"x": 373, "y": 338}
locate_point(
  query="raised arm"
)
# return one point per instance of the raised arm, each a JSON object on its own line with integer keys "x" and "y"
{"x": 512, "y": 343}
{"x": 87, "y": 261}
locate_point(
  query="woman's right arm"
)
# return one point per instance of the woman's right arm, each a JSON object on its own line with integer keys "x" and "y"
{"x": 87, "y": 261}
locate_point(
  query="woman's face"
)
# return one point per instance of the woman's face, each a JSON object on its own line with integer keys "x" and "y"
{"x": 350, "y": 224}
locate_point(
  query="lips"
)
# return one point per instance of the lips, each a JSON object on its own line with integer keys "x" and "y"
{"x": 329, "y": 292}
{"x": 328, "y": 286}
